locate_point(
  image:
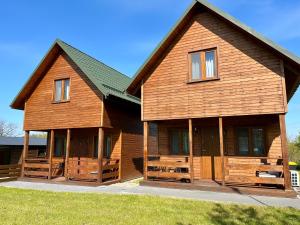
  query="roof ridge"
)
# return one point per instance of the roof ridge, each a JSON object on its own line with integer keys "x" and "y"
{"x": 63, "y": 42}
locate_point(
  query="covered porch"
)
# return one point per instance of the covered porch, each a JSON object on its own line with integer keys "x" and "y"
{"x": 75, "y": 155}
{"x": 230, "y": 151}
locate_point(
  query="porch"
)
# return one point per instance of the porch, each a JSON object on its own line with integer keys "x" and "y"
{"x": 75, "y": 155}
{"x": 240, "y": 151}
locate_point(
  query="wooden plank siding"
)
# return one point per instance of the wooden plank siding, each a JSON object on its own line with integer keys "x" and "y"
{"x": 250, "y": 76}
{"x": 125, "y": 117}
{"x": 83, "y": 109}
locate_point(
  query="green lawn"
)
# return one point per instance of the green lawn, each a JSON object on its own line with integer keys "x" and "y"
{"x": 40, "y": 207}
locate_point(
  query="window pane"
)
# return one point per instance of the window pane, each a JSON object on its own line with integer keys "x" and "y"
{"x": 67, "y": 89}
{"x": 175, "y": 142}
{"x": 107, "y": 150}
{"x": 196, "y": 72}
{"x": 58, "y": 90}
{"x": 243, "y": 141}
{"x": 59, "y": 146}
{"x": 258, "y": 141}
{"x": 185, "y": 140}
{"x": 95, "y": 146}
{"x": 210, "y": 64}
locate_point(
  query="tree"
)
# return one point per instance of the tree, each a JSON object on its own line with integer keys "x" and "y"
{"x": 8, "y": 129}
{"x": 294, "y": 149}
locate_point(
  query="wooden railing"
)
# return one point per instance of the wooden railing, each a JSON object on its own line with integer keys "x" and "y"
{"x": 9, "y": 172}
{"x": 87, "y": 169}
{"x": 168, "y": 167}
{"x": 254, "y": 170}
{"x": 111, "y": 169}
{"x": 83, "y": 168}
{"x": 36, "y": 167}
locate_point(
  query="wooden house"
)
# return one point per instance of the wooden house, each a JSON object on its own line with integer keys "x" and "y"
{"x": 93, "y": 125}
{"x": 214, "y": 96}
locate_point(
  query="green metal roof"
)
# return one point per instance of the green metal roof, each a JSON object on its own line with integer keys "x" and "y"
{"x": 108, "y": 80}
{"x": 227, "y": 17}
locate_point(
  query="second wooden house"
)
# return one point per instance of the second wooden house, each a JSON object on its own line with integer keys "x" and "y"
{"x": 214, "y": 96}
{"x": 93, "y": 127}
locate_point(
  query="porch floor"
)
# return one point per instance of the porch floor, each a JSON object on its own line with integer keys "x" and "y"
{"x": 210, "y": 185}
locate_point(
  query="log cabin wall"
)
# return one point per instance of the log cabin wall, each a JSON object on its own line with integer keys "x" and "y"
{"x": 250, "y": 76}
{"x": 125, "y": 117}
{"x": 83, "y": 109}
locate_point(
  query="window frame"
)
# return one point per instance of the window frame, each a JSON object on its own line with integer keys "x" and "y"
{"x": 203, "y": 75}
{"x": 250, "y": 141}
{"x": 62, "y": 100}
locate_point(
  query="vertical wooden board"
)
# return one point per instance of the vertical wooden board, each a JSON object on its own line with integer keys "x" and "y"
{"x": 25, "y": 150}
{"x": 100, "y": 153}
{"x": 284, "y": 146}
{"x": 51, "y": 150}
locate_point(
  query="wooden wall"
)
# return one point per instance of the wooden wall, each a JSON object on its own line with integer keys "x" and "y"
{"x": 125, "y": 116}
{"x": 250, "y": 76}
{"x": 83, "y": 109}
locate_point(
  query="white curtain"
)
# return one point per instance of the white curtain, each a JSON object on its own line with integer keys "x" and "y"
{"x": 195, "y": 66}
{"x": 67, "y": 89}
{"x": 210, "y": 64}
{"x": 58, "y": 90}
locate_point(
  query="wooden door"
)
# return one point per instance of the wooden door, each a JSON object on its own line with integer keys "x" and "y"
{"x": 210, "y": 154}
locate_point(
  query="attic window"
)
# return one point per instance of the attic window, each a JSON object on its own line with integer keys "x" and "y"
{"x": 203, "y": 65}
{"x": 62, "y": 90}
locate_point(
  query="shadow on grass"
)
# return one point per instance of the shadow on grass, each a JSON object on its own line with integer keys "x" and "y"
{"x": 225, "y": 215}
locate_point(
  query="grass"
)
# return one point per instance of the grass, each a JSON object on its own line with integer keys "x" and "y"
{"x": 40, "y": 207}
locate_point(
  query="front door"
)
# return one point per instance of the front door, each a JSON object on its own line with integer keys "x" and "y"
{"x": 210, "y": 154}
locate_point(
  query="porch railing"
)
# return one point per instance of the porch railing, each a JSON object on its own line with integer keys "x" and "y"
{"x": 254, "y": 170}
{"x": 168, "y": 167}
{"x": 87, "y": 169}
{"x": 36, "y": 167}
{"x": 9, "y": 172}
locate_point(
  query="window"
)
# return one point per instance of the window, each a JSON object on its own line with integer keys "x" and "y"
{"x": 203, "y": 65}
{"x": 243, "y": 141}
{"x": 95, "y": 146}
{"x": 62, "y": 90}
{"x": 107, "y": 146}
{"x": 59, "y": 146}
{"x": 250, "y": 141}
{"x": 179, "y": 142}
{"x": 258, "y": 141}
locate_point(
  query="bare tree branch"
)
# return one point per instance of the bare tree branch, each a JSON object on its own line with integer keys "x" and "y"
{"x": 8, "y": 129}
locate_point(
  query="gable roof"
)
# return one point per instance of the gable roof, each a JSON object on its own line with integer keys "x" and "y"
{"x": 162, "y": 46}
{"x": 106, "y": 79}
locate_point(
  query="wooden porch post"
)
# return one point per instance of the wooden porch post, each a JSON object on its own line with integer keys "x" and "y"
{"x": 146, "y": 134}
{"x": 284, "y": 149}
{"x": 191, "y": 150}
{"x": 51, "y": 153}
{"x": 68, "y": 145}
{"x": 100, "y": 153}
{"x": 25, "y": 151}
{"x": 222, "y": 149}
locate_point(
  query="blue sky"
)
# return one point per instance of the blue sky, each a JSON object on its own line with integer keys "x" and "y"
{"x": 120, "y": 33}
